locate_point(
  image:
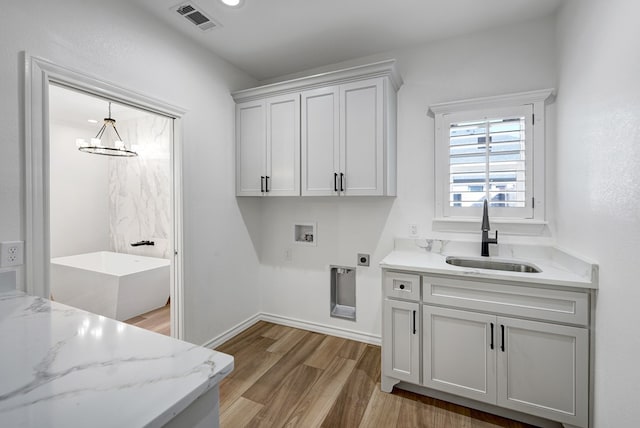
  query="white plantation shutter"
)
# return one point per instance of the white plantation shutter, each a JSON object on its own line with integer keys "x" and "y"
{"x": 490, "y": 157}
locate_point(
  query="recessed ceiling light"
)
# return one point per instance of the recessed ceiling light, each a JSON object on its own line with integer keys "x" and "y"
{"x": 92, "y": 121}
{"x": 232, "y": 3}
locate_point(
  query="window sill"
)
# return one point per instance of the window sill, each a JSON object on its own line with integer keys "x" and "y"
{"x": 503, "y": 225}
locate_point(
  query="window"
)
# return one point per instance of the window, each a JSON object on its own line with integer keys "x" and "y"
{"x": 491, "y": 149}
{"x": 496, "y": 171}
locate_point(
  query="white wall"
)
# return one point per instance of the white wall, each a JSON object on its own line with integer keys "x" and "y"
{"x": 505, "y": 60}
{"x": 140, "y": 188}
{"x": 598, "y": 204}
{"x": 79, "y": 194}
{"x": 117, "y": 42}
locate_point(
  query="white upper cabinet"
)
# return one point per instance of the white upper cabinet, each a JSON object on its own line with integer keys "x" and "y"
{"x": 343, "y": 145}
{"x": 251, "y": 148}
{"x": 268, "y": 147}
{"x": 328, "y": 134}
{"x": 362, "y": 140}
{"x": 282, "y": 175}
{"x": 320, "y": 141}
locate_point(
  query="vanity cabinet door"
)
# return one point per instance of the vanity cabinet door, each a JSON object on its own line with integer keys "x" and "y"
{"x": 543, "y": 370}
{"x": 250, "y": 148}
{"x": 320, "y": 142}
{"x": 401, "y": 340}
{"x": 459, "y": 352}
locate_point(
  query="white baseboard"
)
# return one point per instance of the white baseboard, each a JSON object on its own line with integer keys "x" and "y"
{"x": 296, "y": 323}
{"x": 323, "y": 328}
{"x": 233, "y": 331}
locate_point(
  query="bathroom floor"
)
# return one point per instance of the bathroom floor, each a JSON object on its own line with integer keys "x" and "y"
{"x": 158, "y": 320}
{"x": 289, "y": 377}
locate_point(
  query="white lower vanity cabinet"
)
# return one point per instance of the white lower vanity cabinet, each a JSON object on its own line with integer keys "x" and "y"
{"x": 402, "y": 326}
{"x": 519, "y": 347}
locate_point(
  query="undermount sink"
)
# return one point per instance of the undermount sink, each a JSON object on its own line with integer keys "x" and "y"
{"x": 509, "y": 266}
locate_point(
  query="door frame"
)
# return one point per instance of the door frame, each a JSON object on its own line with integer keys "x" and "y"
{"x": 39, "y": 73}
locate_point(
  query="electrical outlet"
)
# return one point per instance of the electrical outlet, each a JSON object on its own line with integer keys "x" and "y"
{"x": 413, "y": 230}
{"x": 11, "y": 253}
{"x": 363, "y": 259}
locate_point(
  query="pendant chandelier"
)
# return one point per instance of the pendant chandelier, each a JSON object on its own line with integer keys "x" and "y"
{"x": 107, "y": 142}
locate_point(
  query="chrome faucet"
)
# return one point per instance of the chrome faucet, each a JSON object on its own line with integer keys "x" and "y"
{"x": 485, "y": 232}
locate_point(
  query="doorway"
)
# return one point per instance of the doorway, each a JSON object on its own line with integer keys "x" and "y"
{"x": 110, "y": 208}
{"x": 48, "y": 201}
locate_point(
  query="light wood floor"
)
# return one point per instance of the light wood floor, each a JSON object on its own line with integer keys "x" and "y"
{"x": 158, "y": 320}
{"x": 285, "y": 377}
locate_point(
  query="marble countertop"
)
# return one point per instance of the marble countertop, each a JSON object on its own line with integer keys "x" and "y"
{"x": 558, "y": 267}
{"x": 64, "y": 367}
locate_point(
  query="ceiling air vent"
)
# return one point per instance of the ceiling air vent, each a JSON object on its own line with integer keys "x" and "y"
{"x": 198, "y": 18}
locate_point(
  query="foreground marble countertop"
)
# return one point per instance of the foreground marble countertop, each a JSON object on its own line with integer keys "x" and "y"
{"x": 428, "y": 256}
{"x": 64, "y": 367}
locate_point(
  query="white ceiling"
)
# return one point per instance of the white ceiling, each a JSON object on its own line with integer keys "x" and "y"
{"x": 271, "y": 38}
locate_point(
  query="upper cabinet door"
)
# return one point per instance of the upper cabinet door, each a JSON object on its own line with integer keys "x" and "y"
{"x": 320, "y": 142}
{"x": 283, "y": 145}
{"x": 362, "y": 137}
{"x": 250, "y": 148}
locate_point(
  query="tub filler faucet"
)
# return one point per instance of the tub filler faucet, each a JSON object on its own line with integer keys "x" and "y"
{"x": 485, "y": 231}
{"x": 137, "y": 244}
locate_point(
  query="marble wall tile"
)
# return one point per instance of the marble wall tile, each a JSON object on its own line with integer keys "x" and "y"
{"x": 140, "y": 188}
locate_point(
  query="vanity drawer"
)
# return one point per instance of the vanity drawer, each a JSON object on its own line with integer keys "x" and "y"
{"x": 563, "y": 306}
{"x": 402, "y": 285}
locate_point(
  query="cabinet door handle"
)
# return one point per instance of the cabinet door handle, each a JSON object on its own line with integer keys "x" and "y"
{"x": 266, "y": 183}
{"x": 491, "y": 336}
{"x": 262, "y": 183}
{"x": 401, "y": 286}
{"x": 414, "y": 322}
{"x": 341, "y": 182}
{"x": 502, "y": 344}
{"x": 335, "y": 181}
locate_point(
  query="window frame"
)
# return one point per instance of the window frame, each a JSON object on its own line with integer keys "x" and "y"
{"x": 535, "y": 133}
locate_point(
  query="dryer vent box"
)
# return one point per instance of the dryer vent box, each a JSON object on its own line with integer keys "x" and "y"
{"x": 343, "y": 292}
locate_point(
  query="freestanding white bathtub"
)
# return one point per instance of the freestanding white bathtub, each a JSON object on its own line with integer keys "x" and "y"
{"x": 116, "y": 285}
